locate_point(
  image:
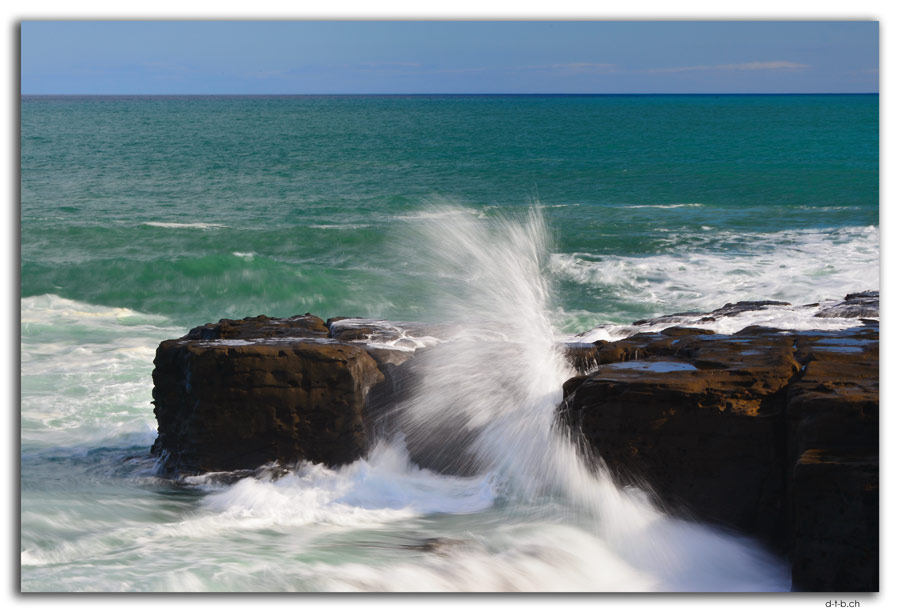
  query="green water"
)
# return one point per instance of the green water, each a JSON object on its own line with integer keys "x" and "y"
{"x": 142, "y": 217}
{"x": 319, "y": 189}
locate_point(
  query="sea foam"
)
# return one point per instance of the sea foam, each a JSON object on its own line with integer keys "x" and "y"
{"x": 86, "y": 373}
{"x": 187, "y": 226}
{"x": 704, "y": 271}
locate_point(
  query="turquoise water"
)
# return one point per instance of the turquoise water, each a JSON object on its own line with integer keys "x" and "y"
{"x": 142, "y": 217}
{"x": 304, "y": 200}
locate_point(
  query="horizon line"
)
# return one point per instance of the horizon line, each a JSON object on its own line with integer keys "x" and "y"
{"x": 853, "y": 93}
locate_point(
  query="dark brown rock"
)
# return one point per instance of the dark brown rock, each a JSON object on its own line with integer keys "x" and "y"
{"x": 236, "y": 402}
{"x": 386, "y": 395}
{"x": 693, "y": 416}
{"x": 588, "y": 357}
{"x": 832, "y": 413}
{"x": 261, "y": 327}
{"x": 237, "y": 394}
{"x": 736, "y": 308}
{"x": 747, "y": 431}
{"x": 834, "y": 521}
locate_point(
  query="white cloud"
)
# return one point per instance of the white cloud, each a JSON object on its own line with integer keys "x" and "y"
{"x": 777, "y": 65}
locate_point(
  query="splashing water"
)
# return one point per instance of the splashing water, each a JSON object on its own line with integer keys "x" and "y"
{"x": 477, "y": 487}
{"x": 485, "y": 402}
{"x": 185, "y": 228}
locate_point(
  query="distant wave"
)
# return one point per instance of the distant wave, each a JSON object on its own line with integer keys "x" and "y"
{"x": 50, "y": 309}
{"x": 172, "y": 224}
{"x": 663, "y": 206}
{"x": 340, "y": 226}
{"x": 440, "y": 214}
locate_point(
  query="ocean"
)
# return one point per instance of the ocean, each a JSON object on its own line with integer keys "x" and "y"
{"x": 540, "y": 217}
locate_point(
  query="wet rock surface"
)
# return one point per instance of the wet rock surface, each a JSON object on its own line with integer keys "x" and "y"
{"x": 729, "y": 310}
{"x": 735, "y": 316}
{"x": 860, "y": 305}
{"x": 770, "y": 432}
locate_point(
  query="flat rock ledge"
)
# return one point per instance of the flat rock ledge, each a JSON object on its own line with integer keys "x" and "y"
{"x": 771, "y": 433}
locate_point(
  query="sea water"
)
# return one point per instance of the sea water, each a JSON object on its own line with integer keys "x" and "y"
{"x": 523, "y": 219}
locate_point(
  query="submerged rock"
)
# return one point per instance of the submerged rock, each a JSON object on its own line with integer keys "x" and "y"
{"x": 773, "y": 433}
{"x": 860, "y": 305}
{"x": 729, "y": 310}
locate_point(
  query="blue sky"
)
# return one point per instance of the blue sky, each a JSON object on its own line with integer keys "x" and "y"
{"x": 307, "y": 57}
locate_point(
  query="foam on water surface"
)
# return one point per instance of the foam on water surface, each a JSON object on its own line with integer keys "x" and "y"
{"x": 531, "y": 514}
{"x": 784, "y": 317}
{"x": 663, "y": 206}
{"x": 492, "y": 405}
{"x": 182, "y": 225}
{"x": 701, "y": 272}
{"x": 332, "y": 226}
{"x": 86, "y": 373}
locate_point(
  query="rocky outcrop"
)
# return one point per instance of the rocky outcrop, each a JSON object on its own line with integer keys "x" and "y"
{"x": 769, "y": 432}
{"x": 832, "y": 415}
{"x": 773, "y": 433}
{"x": 239, "y": 394}
{"x": 693, "y": 415}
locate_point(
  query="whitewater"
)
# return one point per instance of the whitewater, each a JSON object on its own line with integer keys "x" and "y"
{"x": 516, "y": 506}
{"x": 142, "y": 217}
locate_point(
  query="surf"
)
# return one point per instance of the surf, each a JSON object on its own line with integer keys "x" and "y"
{"x": 477, "y": 485}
